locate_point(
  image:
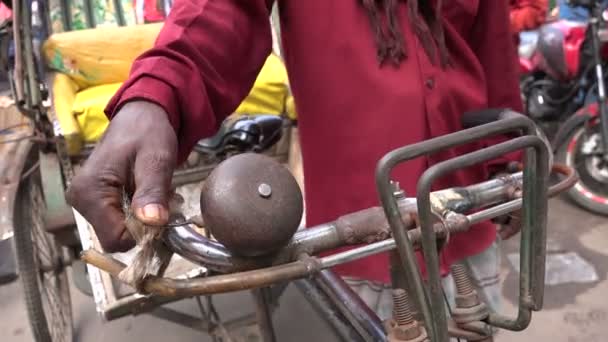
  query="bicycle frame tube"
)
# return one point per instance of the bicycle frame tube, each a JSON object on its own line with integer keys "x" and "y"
{"x": 354, "y": 309}
{"x": 326, "y": 307}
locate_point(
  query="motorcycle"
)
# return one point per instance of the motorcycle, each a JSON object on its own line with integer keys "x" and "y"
{"x": 563, "y": 88}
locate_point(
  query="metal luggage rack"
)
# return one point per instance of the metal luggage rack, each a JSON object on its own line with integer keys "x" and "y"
{"x": 399, "y": 227}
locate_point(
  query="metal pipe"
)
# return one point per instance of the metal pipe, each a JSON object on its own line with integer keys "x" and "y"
{"x": 496, "y": 211}
{"x": 66, "y": 14}
{"x": 570, "y": 178}
{"x": 313, "y": 240}
{"x": 120, "y": 13}
{"x": 232, "y": 282}
{"x": 33, "y": 98}
{"x": 521, "y": 322}
{"x": 89, "y": 16}
{"x": 18, "y": 72}
{"x": 365, "y": 321}
{"x": 328, "y": 310}
{"x": 263, "y": 315}
{"x": 186, "y": 242}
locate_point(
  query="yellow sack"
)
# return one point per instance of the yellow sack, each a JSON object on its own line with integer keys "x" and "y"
{"x": 98, "y": 56}
{"x": 64, "y": 93}
{"x": 81, "y": 113}
{"x": 88, "y": 110}
{"x": 270, "y": 92}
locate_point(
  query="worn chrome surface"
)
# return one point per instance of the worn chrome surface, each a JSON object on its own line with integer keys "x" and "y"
{"x": 244, "y": 221}
{"x": 185, "y": 241}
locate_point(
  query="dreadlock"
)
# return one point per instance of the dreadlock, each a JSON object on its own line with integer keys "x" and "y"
{"x": 425, "y": 20}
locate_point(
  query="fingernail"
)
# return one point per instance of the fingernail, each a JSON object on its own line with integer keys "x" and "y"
{"x": 153, "y": 212}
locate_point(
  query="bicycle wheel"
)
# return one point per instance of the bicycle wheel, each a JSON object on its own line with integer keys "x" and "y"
{"x": 41, "y": 268}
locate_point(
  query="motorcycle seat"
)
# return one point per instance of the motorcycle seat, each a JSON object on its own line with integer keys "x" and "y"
{"x": 244, "y": 133}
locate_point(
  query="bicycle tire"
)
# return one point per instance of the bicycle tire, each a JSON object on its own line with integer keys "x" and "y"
{"x": 45, "y": 326}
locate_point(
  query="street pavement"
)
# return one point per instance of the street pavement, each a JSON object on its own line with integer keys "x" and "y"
{"x": 576, "y": 299}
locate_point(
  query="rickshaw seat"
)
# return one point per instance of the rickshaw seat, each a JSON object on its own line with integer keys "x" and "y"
{"x": 90, "y": 65}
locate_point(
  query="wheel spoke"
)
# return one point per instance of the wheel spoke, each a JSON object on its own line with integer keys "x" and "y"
{"x": 54, "y": 305}
{"x": 44, "y": 259}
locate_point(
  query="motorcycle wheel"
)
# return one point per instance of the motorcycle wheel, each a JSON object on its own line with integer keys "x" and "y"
{"x": 582, "y": 151}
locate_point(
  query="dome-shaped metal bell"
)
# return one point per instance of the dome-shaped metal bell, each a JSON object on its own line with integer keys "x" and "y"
{"x": 251, "y": 204}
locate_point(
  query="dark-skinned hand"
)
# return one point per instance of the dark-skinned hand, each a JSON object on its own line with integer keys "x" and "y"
{"x": 138, "y": 155}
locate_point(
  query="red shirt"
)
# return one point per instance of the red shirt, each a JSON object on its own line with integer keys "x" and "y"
{"x": 351, "y": 111}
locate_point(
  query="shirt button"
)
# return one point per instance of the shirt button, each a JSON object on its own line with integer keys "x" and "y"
{"x": 430, "y": 83}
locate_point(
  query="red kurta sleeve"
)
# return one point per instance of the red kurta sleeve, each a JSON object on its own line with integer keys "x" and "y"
{"x": 203, "y": 64}
{"x": 493, "y": 44}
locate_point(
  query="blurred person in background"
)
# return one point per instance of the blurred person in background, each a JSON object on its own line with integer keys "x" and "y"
{"x": 567, "y": 12}
{"x": 527, "y": 15}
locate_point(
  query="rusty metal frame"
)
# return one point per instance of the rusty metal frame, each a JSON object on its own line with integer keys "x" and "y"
{"x": 432, "y": 309}
{"x": 533, "y": 234}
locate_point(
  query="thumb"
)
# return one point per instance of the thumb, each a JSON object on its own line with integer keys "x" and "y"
{"x": 152, "y": 173}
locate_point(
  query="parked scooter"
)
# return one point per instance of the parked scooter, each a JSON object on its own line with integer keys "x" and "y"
{"x": 563, "y": 87}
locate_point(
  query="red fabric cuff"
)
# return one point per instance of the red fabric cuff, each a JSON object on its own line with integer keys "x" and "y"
{"x": 148, "y": 89}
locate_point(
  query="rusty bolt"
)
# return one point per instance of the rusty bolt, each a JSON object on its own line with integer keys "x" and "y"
{"x": 404, "y": 327}
{"x": 469, "y": 307}
{"x": 467, "y": 301}
{"x": 402, "y": 311}
{"x": 466, "y": 296}
{"x": 464, "y": 285}
{"x": 412, "y": 332}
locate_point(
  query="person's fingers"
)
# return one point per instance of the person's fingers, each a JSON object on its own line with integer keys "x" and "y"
{"x": 96, "y": 193}
{"x": 137, "y": 155}
{"x": 152, "y": 174}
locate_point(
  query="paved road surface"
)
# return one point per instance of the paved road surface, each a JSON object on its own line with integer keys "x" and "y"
{"x": 576, "y": 306}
